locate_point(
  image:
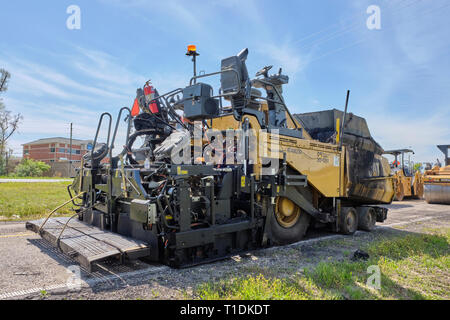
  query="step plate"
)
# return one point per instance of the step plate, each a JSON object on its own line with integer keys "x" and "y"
{"x": 88, "y": 244}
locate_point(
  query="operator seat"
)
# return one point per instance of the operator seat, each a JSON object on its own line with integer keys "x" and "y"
{"x": 255, "y": 104}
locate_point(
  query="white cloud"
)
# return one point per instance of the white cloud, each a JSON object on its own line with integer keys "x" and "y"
{"x": 26, "y": 84}
{"x": 406, "y": 55}
{"x": 190, "y": 14}
{"x": 39, "y": 80}
{"x": 59, "y": 79}
{"x": 285, "y": 56}
{"x": 49, "y": 99}
{"x": 111, "y": 73}
{"x": 422, "y": 135}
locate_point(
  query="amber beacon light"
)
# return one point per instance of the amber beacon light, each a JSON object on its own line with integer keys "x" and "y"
{"x": 191, "y": 50}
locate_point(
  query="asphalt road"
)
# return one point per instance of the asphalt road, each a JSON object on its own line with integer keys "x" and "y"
{"x": 29, "y": 268}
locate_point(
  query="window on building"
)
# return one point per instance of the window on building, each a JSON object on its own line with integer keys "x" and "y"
{"x": 26, "y": 151}
{"x": 52, "y": 150}
{"x": 74, "y": 151}
{"x": 61, "y": 150}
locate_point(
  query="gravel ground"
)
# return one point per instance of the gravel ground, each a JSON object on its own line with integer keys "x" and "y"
{"x": 33, "y": 270}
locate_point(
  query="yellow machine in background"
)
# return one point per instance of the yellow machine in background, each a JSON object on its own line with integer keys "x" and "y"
{"x": 437, "y": 181}
{"x": 407, "y": 182}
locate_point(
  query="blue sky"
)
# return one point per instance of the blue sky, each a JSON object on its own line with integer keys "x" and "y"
{"x": 398, "y": 75}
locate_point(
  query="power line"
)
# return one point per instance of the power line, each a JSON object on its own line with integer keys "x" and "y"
{"x": 422, "y": 14}
{"x": 348, "y": 28}
{"x": 344, "y": 29}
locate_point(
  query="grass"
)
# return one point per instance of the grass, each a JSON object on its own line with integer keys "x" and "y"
{"x": 44, "y": 178}
{"x": 412, "y": 266}
{"x": 21, "y": 200}
{"x": 44, "y": 294}
{"x": 258, "y": 288}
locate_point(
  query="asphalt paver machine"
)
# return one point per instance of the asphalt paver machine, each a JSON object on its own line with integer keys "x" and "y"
{"x": 206, "y": 174}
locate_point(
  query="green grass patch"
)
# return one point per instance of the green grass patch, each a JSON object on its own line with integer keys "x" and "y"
{"x": 412, "y": 266}
{"x": 21, "y": 200}
{"x": 43, "y": 178}
{"x": 260, "y": 288}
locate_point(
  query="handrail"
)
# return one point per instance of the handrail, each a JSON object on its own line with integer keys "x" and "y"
{"x": 117, "y": 126}
{"x": 98, "y": 129}
{"x": 214, "y": 73}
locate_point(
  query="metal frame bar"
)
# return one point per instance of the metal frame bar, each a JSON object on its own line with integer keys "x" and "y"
{"x": 98, "y": 129}
{"x": 281, "y": 99}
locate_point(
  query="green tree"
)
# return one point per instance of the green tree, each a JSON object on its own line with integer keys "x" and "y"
{"x": 8, "y": 122}
{"x": 4, "y": 77}
{"x": 31, "y": 168}
{"x": 417, "y": 166}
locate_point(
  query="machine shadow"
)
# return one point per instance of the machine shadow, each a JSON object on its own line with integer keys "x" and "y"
{"x": 397, "y": 205}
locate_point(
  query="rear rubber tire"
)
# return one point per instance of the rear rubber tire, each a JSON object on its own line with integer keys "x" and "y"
{"x": 399, "y": 193}
{"x": 418, "y": 187}
{"x": 282, "y": 235}
{"x": 367, "y": 218}
{"x": 348, "y": 220}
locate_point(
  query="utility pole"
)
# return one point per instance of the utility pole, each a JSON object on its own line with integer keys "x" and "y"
{"x": 70, "y": 151}
{"x": 8, "y": 155}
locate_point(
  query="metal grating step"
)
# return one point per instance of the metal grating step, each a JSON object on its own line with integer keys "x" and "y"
{"x": 88, "y": 244}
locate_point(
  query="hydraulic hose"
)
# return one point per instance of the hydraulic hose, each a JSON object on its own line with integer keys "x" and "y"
{"x": 59, "y": 207}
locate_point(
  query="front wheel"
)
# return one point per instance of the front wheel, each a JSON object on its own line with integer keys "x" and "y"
{"x": 288, "y": 223}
